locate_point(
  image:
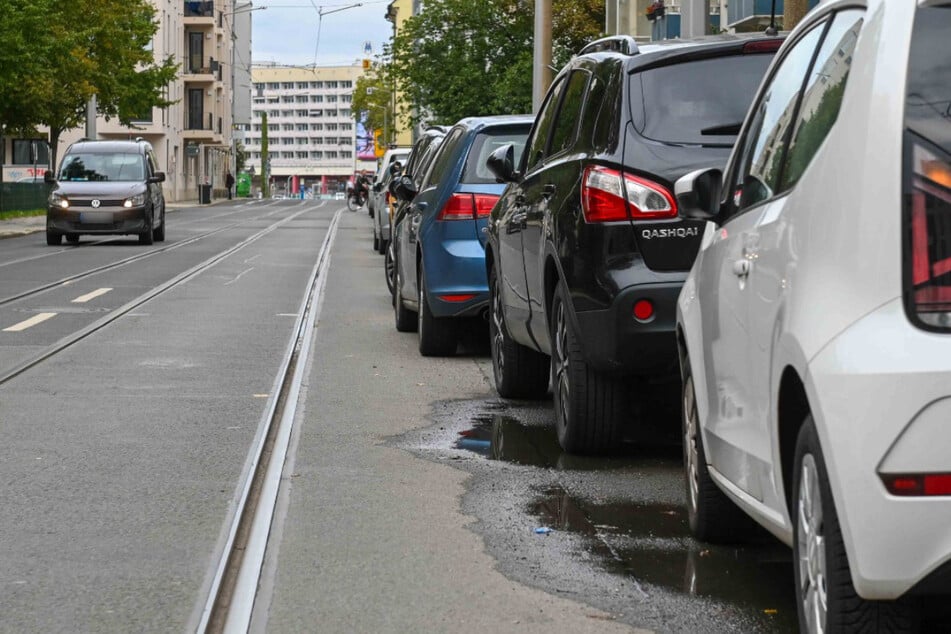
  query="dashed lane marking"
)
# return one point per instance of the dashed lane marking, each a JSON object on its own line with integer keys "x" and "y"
{"x": 32, "y": 321}
{"x": 82, "y": 299}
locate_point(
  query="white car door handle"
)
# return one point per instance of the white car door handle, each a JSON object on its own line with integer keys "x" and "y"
{"x": 741, "y": 268}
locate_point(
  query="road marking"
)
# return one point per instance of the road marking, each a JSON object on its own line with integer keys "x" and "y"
{"x": 239, "y": 276}
{"x": 82, "y": 299}
{"x": 32, "y": 321}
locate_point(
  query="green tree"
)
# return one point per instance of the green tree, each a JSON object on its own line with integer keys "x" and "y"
{"x": 102, "y": 48}
{"x": 24, "y": 60}
{"x": 373, "y": 100}
{"x": 461, "y": 58}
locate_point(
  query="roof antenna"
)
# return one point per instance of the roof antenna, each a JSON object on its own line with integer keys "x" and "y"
{"x": 771, "y": 29}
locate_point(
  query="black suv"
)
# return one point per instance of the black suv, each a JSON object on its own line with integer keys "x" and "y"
{"x": 586, "y": 254}
{"x": 106, "y": 187}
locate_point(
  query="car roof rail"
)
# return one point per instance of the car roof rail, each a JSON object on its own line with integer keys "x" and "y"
{"x": 624, "y": 44}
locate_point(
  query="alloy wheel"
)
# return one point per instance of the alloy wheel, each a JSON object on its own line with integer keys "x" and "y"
{"x": 498, "y": 340}
{"x": 813, "y": 592}
{"x": 559, "y": 362}
{"x": 691, "y": 455}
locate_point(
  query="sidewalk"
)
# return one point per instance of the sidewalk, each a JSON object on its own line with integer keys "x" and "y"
{"x": 15, "y": 227}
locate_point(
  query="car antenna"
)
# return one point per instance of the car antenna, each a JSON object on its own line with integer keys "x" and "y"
{"x": 771, "y": 29}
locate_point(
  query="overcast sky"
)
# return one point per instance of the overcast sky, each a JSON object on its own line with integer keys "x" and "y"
{"x": 286, "y": 31}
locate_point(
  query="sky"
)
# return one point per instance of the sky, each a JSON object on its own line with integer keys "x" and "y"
{"x": 286, "y": 31}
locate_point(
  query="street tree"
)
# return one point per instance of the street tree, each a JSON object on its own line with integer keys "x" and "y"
{"x": 24, "y": 61}
{"x": 373, "y": 100}
{"x": 460, "y": 58}
{"x": 101, "y": 48}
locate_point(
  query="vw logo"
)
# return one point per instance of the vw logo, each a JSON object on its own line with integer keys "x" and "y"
{"x": 96, "y": 203}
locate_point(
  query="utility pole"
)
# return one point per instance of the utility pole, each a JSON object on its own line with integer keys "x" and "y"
{"x": 541, "y": 65}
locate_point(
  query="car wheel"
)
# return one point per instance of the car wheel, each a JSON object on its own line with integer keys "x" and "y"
{"x": 712, "y": 516}
{"x": 589, "y": 405}
{"x": 383, "y": 244}
{"x": 72, "y": 238}
{"x": 146, "y": 236}
{"x": 388, "y": 265}
{"x": 826, "y": 598}
{"x": 406, "y": 320}
{"x": 437, "y": 336}
{"x": 158, "y": 234}
{"x": 376, "y": 241}
{"x": 519, "y": 371}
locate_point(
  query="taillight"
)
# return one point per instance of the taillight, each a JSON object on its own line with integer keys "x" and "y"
{"x": 467, "y": 207}
{"x": 918, "y": 484}
{"x": 762, "y": 46}
{"x": 928, "y": 250}
{"x": 607, "y": 195}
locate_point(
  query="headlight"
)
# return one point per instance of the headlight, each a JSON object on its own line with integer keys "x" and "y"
{"x": 59, "y": 200}
{"x": 134, "y": 201}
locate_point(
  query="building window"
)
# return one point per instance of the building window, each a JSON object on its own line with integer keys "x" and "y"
{"x": 30, "y": 152}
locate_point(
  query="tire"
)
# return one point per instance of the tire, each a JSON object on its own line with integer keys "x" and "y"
{"x": 146, "y": 236}
{"x": 820, "y": 564}
{"x": 158, "y": 234}
{"x": 437, "y": 336}
{"x": 712, "y": 516}
{"x": 590, "y": 407}
{"x": 53, "y": 238}
{"x": 406, "y": 320}
{"x": 72, "y": 238}
{"x": 353, "y": 203}
{"x": 519, "y": 371}
{"x": 376, "y": 241}
{"x": 388, "y": 269}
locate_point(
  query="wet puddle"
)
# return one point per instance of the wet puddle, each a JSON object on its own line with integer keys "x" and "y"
{"x": 648, "y": 543}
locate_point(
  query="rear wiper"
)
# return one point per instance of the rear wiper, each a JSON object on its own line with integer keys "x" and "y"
{"x": 728, "y": 128}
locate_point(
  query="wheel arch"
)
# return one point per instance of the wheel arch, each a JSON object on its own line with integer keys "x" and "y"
{"x": 792, "y": 408}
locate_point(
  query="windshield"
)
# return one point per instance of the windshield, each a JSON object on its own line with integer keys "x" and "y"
{"x": 102, "y": 167}
{"x": 476, "y": 171}
{"x": 702, "y": 102}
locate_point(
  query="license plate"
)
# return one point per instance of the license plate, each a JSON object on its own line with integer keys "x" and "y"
{"x": 95, "y": 217}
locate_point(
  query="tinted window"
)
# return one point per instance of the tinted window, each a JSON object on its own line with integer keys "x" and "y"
{"x": 442, "y": 160}
{"x": 563, "y": 132}
{"x": 102, "y": 167}
{"x": 702, "y": 102}
{"x": 822, "y": 96}
{"x": 484, "y": 144}
{"x": 762, "y": 154}
{"x": 543, "y": 123}
{"x": 928, "y": 94}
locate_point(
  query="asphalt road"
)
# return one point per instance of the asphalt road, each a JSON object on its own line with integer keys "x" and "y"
{"x": 412, "y": 493}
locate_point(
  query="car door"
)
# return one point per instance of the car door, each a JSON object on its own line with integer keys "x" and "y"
{"x": 733, "y": 433}
{"x": 546, "y": 194}
{"x": 513, "y": 220}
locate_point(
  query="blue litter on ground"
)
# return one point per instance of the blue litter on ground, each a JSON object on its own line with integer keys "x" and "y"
{"x": 542, "y": 530}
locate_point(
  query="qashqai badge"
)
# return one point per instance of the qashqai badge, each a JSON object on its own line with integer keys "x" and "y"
{"x": 95, "y": 204}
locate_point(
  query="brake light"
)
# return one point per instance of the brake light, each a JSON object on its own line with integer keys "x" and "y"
{"x": 918, "y": 485}
{"x": 928, "y": 250}
{"x": 762, "y": 46}
{"x": 467, "y": 207}
{"x": 607, "y": 195}
{"x": 457, "y": 297}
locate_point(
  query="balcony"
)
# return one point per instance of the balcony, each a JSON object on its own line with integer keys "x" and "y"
{"x": 201, "y": 12}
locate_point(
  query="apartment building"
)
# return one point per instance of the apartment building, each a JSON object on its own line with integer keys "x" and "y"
{"x": 311, "y": 132}
{"x": 193, "y": 138}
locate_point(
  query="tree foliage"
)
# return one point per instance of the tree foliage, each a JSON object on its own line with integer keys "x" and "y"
{"x": 373, "y": 100}
{"x": 63, "y": 54}
{"x": 460, "y": 58}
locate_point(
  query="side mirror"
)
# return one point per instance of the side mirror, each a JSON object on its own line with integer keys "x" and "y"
{"x": 502, "y": 164}
{"x": 698, "y": 194}
{"x": 377, "y": 187}
{"x": 405, "y": 189}
{"x": 49, "y": 177}
{"x": 157, "y": 177}
{"x": 396, "y": 168}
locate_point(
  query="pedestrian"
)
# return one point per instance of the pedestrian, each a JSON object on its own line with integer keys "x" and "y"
{"x": 229, "y": 182}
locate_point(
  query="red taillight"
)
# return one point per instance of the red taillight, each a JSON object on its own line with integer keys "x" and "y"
{"x": 607, "y": 196}
{"x": 467, "y": 207}
{"x": 762, "y": 46}
{"x": 387, "y": 198}
{"x": 928, "y": 261}
{"x": 643, "y": 310}
{"x": 918, "y": 485}
{"x": 455, "y": 298}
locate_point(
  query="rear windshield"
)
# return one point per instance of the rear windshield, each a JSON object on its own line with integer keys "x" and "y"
{"x": 102, "y": 167}
{"x": 484, "y": 144}
{"x": 702, "y": 102}
{"x": 928, "y": 94}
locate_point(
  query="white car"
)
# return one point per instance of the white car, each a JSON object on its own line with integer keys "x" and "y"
{"x": 815, "y": 324}
{"x": 377, "y": 203}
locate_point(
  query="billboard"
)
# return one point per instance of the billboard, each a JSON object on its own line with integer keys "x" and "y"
{"x": 364, "y": 149}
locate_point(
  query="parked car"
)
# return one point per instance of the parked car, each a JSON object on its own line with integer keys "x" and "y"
{"x": 416, "y": 164}
{"x": 815, "y": 325}
{"x": 440, "y": 260}
{"x": 106, "y": 187}
{"x": 376, "y": 200}
{"x": 586, "y": 253}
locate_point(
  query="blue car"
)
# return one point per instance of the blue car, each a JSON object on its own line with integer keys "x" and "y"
{"x": 439, "y": 242}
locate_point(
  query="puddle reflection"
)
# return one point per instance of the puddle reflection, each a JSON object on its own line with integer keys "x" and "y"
{"x": 651, "y": 543}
